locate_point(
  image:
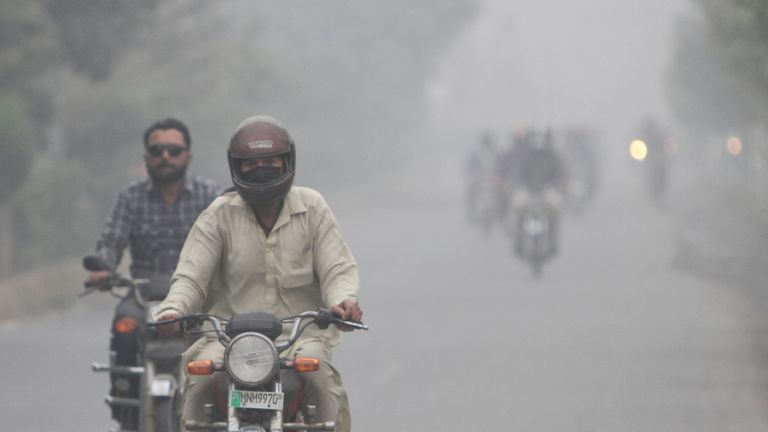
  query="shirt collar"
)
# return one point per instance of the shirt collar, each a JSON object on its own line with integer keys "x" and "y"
{"x": 291, "y": 206}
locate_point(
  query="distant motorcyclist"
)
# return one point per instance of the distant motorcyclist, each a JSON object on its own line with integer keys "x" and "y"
{"x": 151, "y": 217}
{"x": 580, "y": 153}
{"x": 481, "y": 176}
{"x": 537, "y": 172}
{"x": 657, "y": 160}
{"x": 507, "y": 167}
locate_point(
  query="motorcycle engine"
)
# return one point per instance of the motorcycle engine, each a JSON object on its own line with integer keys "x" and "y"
{"x": 253, "y": 419}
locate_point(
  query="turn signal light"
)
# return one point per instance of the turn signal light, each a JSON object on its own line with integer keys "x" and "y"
{"x": 306, "y": 364}
{"x": 200, "y": 367}
{"x": 126, "y": 325}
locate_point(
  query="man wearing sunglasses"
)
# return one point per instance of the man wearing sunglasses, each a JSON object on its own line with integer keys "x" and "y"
{"x": 152, "y": 217}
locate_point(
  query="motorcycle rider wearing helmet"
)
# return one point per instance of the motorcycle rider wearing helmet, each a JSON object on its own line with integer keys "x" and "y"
{"x": 152, "y": 218}
{"x": 539, "y": 172}
{"x": 266, "y": 246}
{"x": 540, "y": 167}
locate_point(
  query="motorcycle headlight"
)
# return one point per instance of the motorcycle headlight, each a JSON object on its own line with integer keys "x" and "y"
{"x": 251, "y": 359}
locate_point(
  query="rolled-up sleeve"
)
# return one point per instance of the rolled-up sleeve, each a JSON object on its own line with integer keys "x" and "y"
{"x": 199, "y": 260}
{"x": 335, "y": 266}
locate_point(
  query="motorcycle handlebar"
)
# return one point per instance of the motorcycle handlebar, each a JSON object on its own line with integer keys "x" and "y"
{"x": 322, "y": 318}
{"x": 114, "y": 280}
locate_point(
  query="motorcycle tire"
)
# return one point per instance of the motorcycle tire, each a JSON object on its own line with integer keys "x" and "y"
{"x": 165, "y": 418}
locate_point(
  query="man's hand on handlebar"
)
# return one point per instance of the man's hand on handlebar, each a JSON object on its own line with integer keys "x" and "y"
{"x": 348, "y": 310}
{"x": 98, "y": 278}
{"x": 168, "y": 329}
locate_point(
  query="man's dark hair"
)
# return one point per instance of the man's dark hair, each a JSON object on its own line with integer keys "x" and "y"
{"x": 169, "y": 123}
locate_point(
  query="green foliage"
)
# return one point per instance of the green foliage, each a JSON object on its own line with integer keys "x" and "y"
{"x": 97, "y": 122}
{"x": 18, "y": 144}
{"x": 346, "y": 76}
{"x": 55, "y": 213}
{"x": 719, "y": 79}
{"x": 94, "y": 35}
{"x": 28, "y": 51}
{"x": 36, "y": 37}
{"x": 28, "y": 44}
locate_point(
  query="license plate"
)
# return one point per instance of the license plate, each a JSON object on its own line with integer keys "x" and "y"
{"x": 255, "y": 399}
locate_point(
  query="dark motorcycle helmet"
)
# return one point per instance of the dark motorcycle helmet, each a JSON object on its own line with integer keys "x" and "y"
{"x": 262, "y": 137}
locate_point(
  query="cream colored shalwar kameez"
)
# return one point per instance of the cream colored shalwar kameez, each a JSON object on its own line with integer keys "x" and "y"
{"x": 228, "y": 266}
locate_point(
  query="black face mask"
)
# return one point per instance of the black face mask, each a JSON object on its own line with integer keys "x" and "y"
{"x": 262, "y": 174}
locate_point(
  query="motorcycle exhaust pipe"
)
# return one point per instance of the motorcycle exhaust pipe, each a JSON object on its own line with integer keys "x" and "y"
{"x": 126, "y": 370}
{"x": 193, "y": 425}
{"x": 325, "y": 426}
{"x": 118, "y": 401}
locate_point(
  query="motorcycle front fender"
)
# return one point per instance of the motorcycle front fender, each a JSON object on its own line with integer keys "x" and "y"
{"x": 163, "y": 385}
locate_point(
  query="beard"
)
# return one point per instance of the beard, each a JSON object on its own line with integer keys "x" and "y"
{"x": 160, "y": 175}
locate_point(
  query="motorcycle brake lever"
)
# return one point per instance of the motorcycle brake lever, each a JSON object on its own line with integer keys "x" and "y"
{"x": 326, "y": 318}
{"x": 163, "y": 322}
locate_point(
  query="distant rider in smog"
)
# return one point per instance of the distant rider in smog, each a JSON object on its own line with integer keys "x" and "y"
{"x": 538, "y": 173}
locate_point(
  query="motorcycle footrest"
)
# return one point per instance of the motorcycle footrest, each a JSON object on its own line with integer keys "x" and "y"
{"x": 193, "y": 425}
{"x": 123, "y": 370}
{"x": 120, "y": 401}
{"x": 324, "y": 426}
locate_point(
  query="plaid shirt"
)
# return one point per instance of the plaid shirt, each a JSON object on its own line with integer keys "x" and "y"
{"x": 154, "y": 230}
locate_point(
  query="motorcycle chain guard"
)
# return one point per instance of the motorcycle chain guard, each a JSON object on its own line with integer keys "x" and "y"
{"x": 259, "y": 322}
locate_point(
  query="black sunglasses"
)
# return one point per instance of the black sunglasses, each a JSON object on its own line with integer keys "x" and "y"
{"x": 173, "y": 150}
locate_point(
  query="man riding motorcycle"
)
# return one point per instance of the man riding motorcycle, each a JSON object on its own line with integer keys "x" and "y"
{"x": 538, "y": 172}
{"x": 152, "y": 218}
{"x": 266, "y": 246}
{"x": 480, "y": 171}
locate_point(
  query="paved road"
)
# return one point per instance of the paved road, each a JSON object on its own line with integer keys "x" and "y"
{"x": 612, "y": 338}
{"x": 45, "y": 369}
{"x": 463, "y": 338}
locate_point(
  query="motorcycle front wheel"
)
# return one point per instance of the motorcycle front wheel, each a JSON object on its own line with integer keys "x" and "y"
{"x": 165, "y": 417}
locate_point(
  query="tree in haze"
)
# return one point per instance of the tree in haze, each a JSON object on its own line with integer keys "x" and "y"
{"x": 39, "y": 41}
{"x": 718, "y": 87}
{"x": 349, "y": 75}
{"x": 719, "y": 78}
{"x": 348, "y": 78}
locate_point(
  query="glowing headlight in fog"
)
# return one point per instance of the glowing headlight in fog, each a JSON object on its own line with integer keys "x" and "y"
{"x": 251, "y": 359}
{"x": 734, "y": 146}
{"x": 638, "y": 150}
